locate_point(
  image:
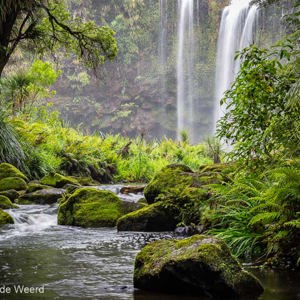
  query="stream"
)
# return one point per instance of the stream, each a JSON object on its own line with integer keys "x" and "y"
{"x": 76, "y": 263}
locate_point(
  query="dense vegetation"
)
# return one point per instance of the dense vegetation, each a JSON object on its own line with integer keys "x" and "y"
{"x": 255, "y": 210}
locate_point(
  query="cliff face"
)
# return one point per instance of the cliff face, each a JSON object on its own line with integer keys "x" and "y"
{"x": 136, "y": 93}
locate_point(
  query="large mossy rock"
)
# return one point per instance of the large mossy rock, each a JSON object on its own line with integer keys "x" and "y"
{"x": 58, "y": 180}
{"x": 155, "y": 217}
{"x": 8, "y": 170}
{"x": 12, "y": 183}
{"x": 36, "y": 186}
{"x": 200, "y": 265}
{"x": 5, "y": 218}
{"x": 177, "y": 179}
{"x": 45, "y": 196}
{"x": 12, "y": 195}
{"x": 172, "y": 176}
{"x": 5, "y": 203}
{"x": 89, "y": 207}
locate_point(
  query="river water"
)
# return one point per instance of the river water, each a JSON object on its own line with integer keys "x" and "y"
{"x": 76, "y": 263}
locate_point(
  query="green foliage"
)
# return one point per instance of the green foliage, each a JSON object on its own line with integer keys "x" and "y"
{"x": 50, "y": 146}
{"x": 279, "y": 207}
{"x": 231, "y": 214}
{"x": 263, "y": 111}
{"x": 49, "y": 26}
{"x": 11, "y": 150}
{"x": 258, "y": 217}
{"x": 25, "y": 87}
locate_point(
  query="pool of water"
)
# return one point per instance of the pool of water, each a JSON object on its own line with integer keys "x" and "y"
{"x": 76, "y": 263}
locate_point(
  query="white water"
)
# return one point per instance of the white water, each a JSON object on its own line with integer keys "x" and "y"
{"x": 185, "y": 58}
{"x": 31, "y": 219}
{"x": 237, "y": 31}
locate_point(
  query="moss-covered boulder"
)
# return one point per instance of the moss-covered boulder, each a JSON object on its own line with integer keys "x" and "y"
{"x": 46, "y": 196}
{"x": 200, "y": 265}
{"x": 8, "y": 170}
{"x": 58, "y": 180}
{"x": 12, "y": 183}
{"x": 172, "y": 176}
{"x": 216, "y": 173}
{"x": 5, "y": 203}
{"x": 35, "y": 186}
{"x": 89, "y": 207}
{"x": 5, "y": 218}
{"x": 12, "y": 195}
{"x": 155, "y": 217}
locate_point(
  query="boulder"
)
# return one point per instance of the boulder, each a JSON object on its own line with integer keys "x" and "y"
{"x": 46, "y": 196}
{"x": 215, "y": 174}
{"x": 200, "y": 265}
{"x": 5, "y": 203}
{"x": 5, "y": 218}
{"x": 8, "y": 170}
{"x": 12, "y": 183}
{"x": 155, "y": 217}
{"x": 35, "y": 186}
{"x": 58, "y": 180}
{"x": 172, "y": 176}
{"x": 12, "y": 195}
{"x": 89, "y": 207}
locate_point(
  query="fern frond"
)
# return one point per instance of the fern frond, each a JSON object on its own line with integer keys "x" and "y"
{"x": 265, "y": 218}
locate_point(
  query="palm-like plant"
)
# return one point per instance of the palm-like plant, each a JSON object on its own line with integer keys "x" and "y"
{"x": 11, "y": 150}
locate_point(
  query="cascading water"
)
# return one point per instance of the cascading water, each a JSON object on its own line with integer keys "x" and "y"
{"x": 237, "y": 31}
{"x": 163, "y": 35}
{"x": 185, "y": 59}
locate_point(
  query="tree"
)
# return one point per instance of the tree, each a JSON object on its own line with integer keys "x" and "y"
{"x": 263, "y": 108}
{"x": 47, "y": 25}
{"x": 25, "y": 87}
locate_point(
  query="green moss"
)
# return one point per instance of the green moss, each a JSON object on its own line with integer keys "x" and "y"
{"x": 45, "y": 196}
{"x": 89, "y": 207}
{"x": 155, "y": 217}
{"x": 5, "y": 203}
{"x": 85, "y": 181}
{"x": 216, "y": 173}
{"x": 24, "y": 202}
{"x": 35, "y": 186}
{"x": 5, "y": 218}
{"x": 172, "y": 176}
{"x": 12, "y": 195}
{"x": 12, "y": 183}
{"x": 58, "y": 180}
{"x": 8, "y": 170}
{"x": 199, "y": 255}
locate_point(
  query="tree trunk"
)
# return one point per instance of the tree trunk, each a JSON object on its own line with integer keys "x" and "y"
{"x": 7, "y": 22}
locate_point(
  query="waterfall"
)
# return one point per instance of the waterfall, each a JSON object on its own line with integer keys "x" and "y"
{"x": 163, "y": 56}
{"x": 237, "y": 31}
{"x": 185, "y": 58}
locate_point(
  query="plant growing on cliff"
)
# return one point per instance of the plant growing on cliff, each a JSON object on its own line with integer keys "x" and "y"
{"x": 263, "y": 108}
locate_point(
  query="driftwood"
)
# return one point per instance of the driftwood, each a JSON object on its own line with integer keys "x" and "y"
{"x": 132, "y": 189}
